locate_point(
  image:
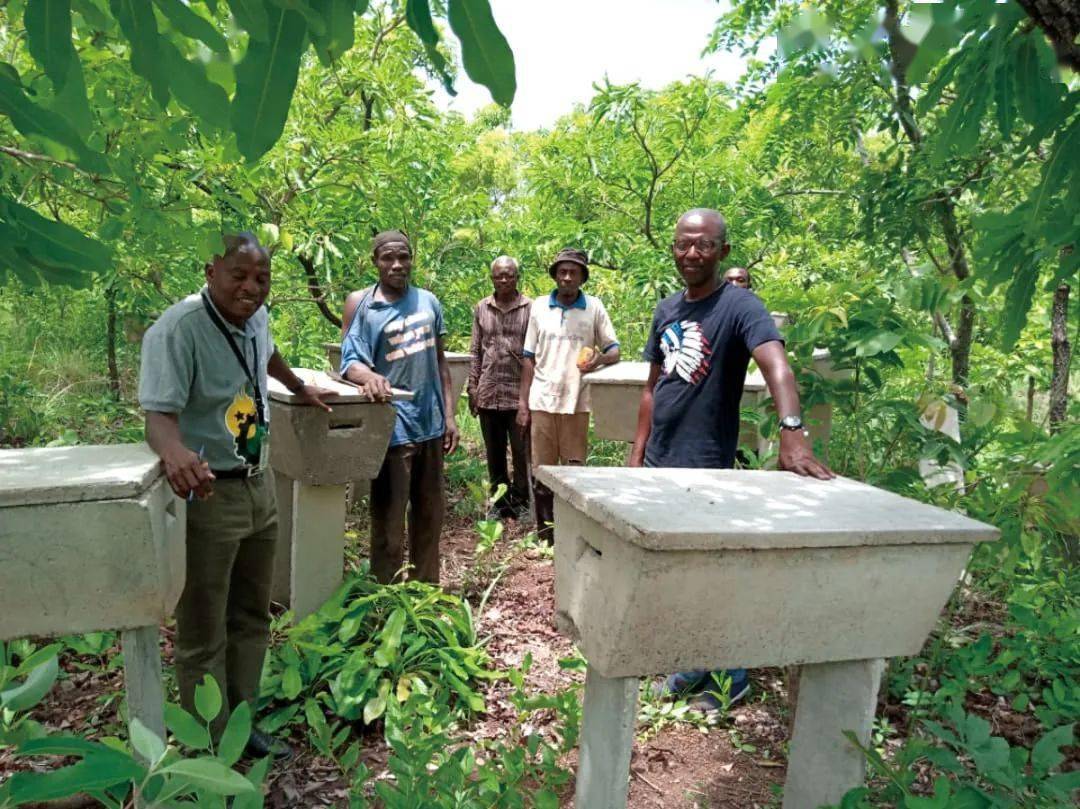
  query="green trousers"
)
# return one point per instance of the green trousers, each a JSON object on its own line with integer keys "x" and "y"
{"x": 223, "y": 617}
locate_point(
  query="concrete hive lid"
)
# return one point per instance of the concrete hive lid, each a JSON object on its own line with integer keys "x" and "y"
{"x": 621, "y": 373}
{"x": 343, "y": 393}
{"x": 30, "y": 477}
{"x": 727, "y": 509}
{"x": 457, "y": 356}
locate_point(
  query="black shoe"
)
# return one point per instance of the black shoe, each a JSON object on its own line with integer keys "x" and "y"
{"x": 261, "y": 745}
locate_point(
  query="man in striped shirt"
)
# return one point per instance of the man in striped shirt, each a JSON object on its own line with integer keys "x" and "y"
{"x": 498, "y": 337}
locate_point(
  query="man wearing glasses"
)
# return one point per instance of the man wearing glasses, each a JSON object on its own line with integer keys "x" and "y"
{"x": 699, "y": 347}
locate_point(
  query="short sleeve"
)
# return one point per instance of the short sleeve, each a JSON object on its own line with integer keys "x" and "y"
{"x": 605, "y": 330}
{"x": 532, "y": 335}
{"x": 167, "y": 368}
{"x": 356, "y": 347}
{"x": 753, "y": 323}
{"x": 652, "y": 342}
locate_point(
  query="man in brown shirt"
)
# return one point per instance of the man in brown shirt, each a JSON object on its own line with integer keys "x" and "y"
{"x": 498, "y": 335}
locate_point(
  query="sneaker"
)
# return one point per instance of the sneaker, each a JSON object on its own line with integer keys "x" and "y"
{"x": 680, "y": 683}
{"x": 261, "y": 745}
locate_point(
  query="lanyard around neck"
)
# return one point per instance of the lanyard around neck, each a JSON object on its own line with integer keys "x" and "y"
{"x": 260, "y": 408}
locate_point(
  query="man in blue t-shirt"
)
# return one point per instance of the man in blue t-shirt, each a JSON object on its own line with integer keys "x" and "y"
{"x": 394, "y": 339}
{"x": 699, "y": 347}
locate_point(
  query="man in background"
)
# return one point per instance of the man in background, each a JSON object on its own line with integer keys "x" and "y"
{"x": 699, "y": 346}
{"x": 740, "y": 277}
{"x": 569, "y": 335}
{"x": 395, "y": 340}
{"x": 498, "y": 340}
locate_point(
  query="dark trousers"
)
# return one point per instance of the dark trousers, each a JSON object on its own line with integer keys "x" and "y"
{"x": 411, "y": 477}
{"x": 223, "y": 616}
{"x": 499, "y": 428}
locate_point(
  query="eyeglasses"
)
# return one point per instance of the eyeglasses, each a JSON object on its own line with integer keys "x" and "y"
{"x": 702, "y": 245}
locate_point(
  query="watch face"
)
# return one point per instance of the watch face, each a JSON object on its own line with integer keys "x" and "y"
{"x": 791, "y": 422}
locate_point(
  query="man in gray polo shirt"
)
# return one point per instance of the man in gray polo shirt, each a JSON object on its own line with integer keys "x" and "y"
{"x": 203, "y": 387}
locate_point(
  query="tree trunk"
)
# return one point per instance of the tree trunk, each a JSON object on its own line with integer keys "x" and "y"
{"x": 1060, "y": 21}
{"x": 1062, "y": 352}
{"x": 110, "y": 341}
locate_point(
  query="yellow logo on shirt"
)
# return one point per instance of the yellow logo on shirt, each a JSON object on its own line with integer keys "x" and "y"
{"x": 241, "y": 416}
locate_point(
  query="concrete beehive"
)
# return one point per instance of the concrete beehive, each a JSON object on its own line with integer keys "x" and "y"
{"x": 91, "y": 538}
{"x": 318, "y": 448}
{"x": 661, "y": 570}
{"x": 616, "y": 395}
{"x": 314, "y": 455}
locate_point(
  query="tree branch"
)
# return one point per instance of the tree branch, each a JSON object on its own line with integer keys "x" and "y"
{"x": 315, "y": 288}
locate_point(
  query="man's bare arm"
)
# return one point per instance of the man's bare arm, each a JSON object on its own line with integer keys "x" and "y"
{"x": 528, "y": 368}
{"x": 644, "y": 417}
{"x": 795, "y": 453}
{"x": 450, "y": 437}
{"x": 185, "y": 470}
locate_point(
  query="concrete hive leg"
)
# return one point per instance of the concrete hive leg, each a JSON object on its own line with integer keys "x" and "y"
{"x": 142, "y": 677}
{"x": 283, "y": 490}
{"x": 607, "y": 739}
{"x": 823, "y": 764}
{"x": 318, "y": 545}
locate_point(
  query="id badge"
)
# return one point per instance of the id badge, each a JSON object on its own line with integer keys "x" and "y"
{"x": 262, "y": 434}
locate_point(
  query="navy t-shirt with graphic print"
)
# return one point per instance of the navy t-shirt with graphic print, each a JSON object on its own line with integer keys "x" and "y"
{"x": 399, "y": 340}
{"x": 703, "y": 348}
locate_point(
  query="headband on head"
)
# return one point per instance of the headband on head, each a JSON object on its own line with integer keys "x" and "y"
{"x": 389, "y": 237}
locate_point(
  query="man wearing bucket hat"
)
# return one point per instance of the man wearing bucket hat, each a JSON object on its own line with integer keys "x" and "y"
{"x": 569, "y": 334}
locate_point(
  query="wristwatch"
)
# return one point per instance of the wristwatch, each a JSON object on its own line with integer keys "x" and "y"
{"x": 791, "y": 423}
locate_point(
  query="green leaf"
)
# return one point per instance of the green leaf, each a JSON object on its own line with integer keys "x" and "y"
{"x": 55, "y": 242}
{"x": 236, "y": 734}
{"x": 316, "y": 23}
{"x": 265, "y": 81}
{"x": 48, "y": 36}
{"x": 1003, "y": 98}
{"x": 340, "y": 29}
{"x": 61, "y": 746}
{"x": 485, "y": 53}
{"x": 255, "y": 776}
{"x": 137, "y": 21}
{"x": 1038, "y": 97}
{"x": 193, "y": 89}
{"x": 376, "y": 706}
{"x": 89, "y": 775}
{"x": 981, "y": 412}
{"x": 1018, "y": 302}
{"x": 878, "y": 343}
{"x": 1046, "y": 754}
{"x": 418, "y": 16}
{"x": 1058, "y": 168}
{"x": 146, "y": 742}
{"x": 191, "y": 25}
{"x": 291, "y": 682}
{"x": 210, "y": 774}
{"x": 33, "y": 689}
{"x": 32, "y": 119}
{"x": 208, "y": 698}
{"x": 35, "y": 659}
{"x": 252, "y": 17}
{"x": 386, "y": 654}
{"x": 71, "y": 101}
{"x": 186, "y": 728}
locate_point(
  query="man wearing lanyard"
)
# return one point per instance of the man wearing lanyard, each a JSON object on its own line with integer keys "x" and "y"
{"x": 203, "y": 382}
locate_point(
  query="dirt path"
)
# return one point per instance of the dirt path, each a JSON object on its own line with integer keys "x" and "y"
{"x": 678, "y": 767}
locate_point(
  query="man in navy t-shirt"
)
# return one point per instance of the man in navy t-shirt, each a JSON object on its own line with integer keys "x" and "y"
{"x": 699, "y": 346}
